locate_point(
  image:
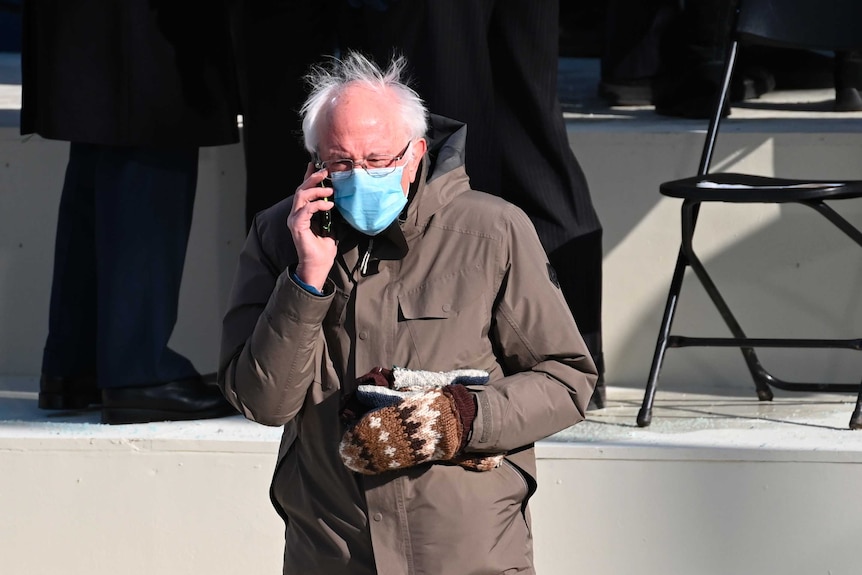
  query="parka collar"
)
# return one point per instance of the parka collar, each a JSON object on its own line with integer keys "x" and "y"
{"x": 442, "y": 174}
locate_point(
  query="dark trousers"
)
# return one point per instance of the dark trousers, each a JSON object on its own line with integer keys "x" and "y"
{"x": 493, "y": 64}
{"x": 122, "y": 232}
{"x": 645, "y": 38}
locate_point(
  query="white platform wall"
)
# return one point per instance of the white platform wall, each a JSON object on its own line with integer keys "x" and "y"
{"x": 169, "y": 506}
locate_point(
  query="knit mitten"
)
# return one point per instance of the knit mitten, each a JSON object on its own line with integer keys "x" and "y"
{"x": 382, "y": 389}
{"x": 421, "y": 428}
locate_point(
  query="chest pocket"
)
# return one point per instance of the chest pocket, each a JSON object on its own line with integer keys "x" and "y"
{"x": 445, "y": 321}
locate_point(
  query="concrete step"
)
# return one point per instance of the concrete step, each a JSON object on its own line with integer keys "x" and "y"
{"x": 717, "y": 484}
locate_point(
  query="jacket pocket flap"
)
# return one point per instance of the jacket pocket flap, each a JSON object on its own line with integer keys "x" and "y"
{"x": 442, "y": 297}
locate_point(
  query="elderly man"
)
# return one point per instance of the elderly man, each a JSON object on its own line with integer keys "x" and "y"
{"x": 410, "y": 336}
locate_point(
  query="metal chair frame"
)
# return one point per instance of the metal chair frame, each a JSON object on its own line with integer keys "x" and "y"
{"x": 811, "y": 193}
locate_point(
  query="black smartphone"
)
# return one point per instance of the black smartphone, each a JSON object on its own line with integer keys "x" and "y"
{"x": 321, "y": 222}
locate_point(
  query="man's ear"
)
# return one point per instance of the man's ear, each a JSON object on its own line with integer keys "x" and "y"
{"x": 419, "y": 147}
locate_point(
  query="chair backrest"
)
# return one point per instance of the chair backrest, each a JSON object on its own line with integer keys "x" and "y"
{"x": 813, "y": 24}
{"x": 833, "y": 25}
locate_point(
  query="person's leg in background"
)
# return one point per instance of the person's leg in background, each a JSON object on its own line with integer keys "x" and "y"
{"x": 539, "y": 170}
{"x": 692, "y": 55}
{"x": 122, "y": 235}
{"x": 578, "y": 264}
{"x": 144, "y": 204}
{"x": 670, "y": 53}
{"x": 69, "y": 358}
{"x": 630, "y": 50}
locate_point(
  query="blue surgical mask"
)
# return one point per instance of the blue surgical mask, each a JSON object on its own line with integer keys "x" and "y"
{"x": 369, "y": 203}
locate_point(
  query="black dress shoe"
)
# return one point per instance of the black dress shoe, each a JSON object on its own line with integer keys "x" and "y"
{"x": 58, "y": 392}
{"x": 181, "y": 400}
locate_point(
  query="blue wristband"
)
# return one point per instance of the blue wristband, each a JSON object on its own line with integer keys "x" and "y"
{"x": 305, "y": 286}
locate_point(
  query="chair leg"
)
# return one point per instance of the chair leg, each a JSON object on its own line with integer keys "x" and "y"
{"x": 645, "y": 414}
{"x": 841, "y": 223}
{"x": 758, "y": 373}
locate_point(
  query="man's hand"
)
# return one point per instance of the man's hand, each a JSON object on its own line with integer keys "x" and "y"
{"x": 316, "y": 254}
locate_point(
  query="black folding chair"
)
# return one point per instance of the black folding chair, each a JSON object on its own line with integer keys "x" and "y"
{"x": 834, "y": 25}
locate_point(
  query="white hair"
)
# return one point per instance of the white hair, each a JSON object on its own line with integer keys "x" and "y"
{"x": 328, "y": 81}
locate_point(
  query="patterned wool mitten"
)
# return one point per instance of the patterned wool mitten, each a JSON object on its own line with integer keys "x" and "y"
{"x": 385, "y": 388}
{"x": 426, "y": 426}
{"x": 411, "y": 380}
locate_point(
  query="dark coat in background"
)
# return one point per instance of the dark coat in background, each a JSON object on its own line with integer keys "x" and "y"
{"x": 493, "y": 65}
{"x": 130, "y": 72}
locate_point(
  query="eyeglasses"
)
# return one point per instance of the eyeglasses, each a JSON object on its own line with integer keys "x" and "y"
{"x": 382, "y": 164}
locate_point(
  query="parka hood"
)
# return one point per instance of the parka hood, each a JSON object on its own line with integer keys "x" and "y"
{"x": 447, "y": 140}
{"x": 442, "y": 175}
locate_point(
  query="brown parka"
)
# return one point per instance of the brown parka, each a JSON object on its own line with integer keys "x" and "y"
{"x": 473, "y": 290}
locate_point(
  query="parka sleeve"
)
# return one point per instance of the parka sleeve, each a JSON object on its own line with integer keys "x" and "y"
{"x": 550, "y": 374}
{"x": 271, "y": 335}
